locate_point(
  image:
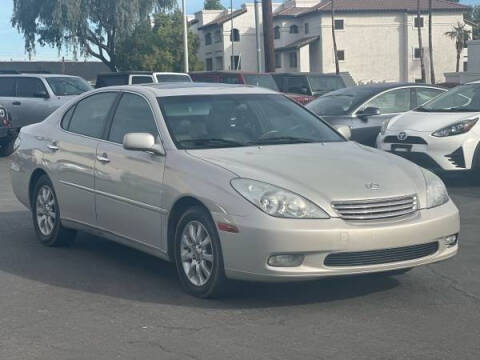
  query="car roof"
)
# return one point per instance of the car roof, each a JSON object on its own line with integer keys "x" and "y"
{"x": 198, "y": 88}
{"x": 372, "y": 89}
{"x": 126, "y": 73}
{"x": 235, "y": 72}
{"x": 310, "y": 73}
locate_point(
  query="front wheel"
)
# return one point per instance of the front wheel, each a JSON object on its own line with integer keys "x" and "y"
{"x": 46, "y": 215}
{"x": 198, "y": 254}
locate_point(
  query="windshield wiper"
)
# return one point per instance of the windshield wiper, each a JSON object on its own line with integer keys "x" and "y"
{"x": 281, "y": 140}
{"x": 218, "y": 143}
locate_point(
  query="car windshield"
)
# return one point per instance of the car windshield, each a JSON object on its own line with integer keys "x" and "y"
{"x": 324, "y": 84}
{"x": 464, "y": 98}
{"x": 219, "y": 121}
{"x": 173, "y": 78}
{"x": 67, "y": 86}
{"x": 262, "y": 80}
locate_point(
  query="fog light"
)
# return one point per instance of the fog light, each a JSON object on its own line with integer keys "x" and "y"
{"x": 286, "y": 260}
{"x": 451, "y": 240}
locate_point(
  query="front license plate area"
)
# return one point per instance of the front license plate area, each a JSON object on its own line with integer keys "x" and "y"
{"x": 401, "y": 148}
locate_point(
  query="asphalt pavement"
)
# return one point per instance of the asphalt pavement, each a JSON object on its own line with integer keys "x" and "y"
{"x": 98, "y": 300}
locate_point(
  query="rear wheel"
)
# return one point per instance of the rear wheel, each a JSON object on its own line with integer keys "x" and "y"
{"x": 46, "y": 215}
{"x": 198, "y": 254}
{"x": 6, "y": 147}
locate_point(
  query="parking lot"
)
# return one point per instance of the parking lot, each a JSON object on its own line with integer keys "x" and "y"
{"x": 99, "y": 300}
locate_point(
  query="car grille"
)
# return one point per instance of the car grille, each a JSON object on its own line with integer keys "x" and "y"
{"x": 409, "y": 140}
{"x": 376, "y": 208}
{"x": 383, "y": 256}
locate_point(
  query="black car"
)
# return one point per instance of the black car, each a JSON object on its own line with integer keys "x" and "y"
{"x": 365, "y": 108}
{"x": 7, "y": 133}
{"x": 124, "y": 78}
{"x": 312, "y": 84}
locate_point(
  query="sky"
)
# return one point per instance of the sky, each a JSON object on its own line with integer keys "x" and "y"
{"x": 12, "y": 43}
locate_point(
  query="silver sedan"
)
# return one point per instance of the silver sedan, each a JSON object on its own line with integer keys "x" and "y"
{"x": 228, "y": 182}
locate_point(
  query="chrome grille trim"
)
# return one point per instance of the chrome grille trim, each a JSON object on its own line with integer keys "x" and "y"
{"x": 374, "y": 209}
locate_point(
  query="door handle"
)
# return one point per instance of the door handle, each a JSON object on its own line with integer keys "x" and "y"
{"x": 53, "y": 146}
{"x": 103, "y": 158}
{"x": 16, "y": 103}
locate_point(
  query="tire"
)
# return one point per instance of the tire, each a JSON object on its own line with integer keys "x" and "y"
{"x": 46, "y": 216}
{"x": 200, "y": 267}
{"x": 6, "y": 148}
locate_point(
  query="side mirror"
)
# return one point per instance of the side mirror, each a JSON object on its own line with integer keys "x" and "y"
{"x": 367, "y": 112}
{"x": 42, "y": 94}
{"x": 345, "y": 131}
{"x": 142, "y": 142}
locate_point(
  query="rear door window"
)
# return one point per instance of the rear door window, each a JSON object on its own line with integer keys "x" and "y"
{"x": 136, "y": 79}
{"x": 91, "y": 114}
{"x": 7, "y": 86}
{"x": 391, "y": 102}
{"x": 30, "y": 87}
{"x": 424, "y": 95}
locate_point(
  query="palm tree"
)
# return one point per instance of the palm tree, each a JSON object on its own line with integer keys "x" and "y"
{"x": 461, "y": 35}
{"x": 430, "y": 42}
{"x": 420, "y": 44}
{"x": 335, "y": 52}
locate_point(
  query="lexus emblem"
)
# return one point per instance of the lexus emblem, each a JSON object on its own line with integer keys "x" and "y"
{"x": 372, "y": 186}
{"x": 402, "y": 136}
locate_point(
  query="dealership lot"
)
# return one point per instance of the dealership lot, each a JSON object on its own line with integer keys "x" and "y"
{"x": 100, "y": 300}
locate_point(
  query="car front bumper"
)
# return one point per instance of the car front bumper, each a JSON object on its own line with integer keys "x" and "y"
{"x": 260, "y": 236}
{"x": 452, "y": 153}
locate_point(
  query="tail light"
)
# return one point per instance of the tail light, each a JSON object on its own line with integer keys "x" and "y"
{"x": 4, "y": 118}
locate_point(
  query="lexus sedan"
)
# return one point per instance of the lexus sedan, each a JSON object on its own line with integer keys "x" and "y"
{"x": 443, "y": 134}
{"x": 228, "y": 182}
{"x": 365, "y": 108}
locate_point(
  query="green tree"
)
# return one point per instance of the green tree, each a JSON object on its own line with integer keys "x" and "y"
{"x": 474, "y": 17}
{"x": 461, "y": 35}
{"x": 158, "y": 48}
{"x": 92, "y": 27}
{"x": 213, "y": 5}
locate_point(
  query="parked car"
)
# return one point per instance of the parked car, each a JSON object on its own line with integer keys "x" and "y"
{"x": 161, "y": 77}
{"x": 228, "y": 182}
{"x": 365, "y": 108}
{"x": 30, "y": 98}
{"x": 124, "y": 78}
{"x": 7, "y": 133}
{"x": 311, "y": 85}
{"x": 443, "y": 134}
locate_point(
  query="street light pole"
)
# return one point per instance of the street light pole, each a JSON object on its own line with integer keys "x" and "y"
{"x": 257, "y": 36}
{"x": 185, "y": 35}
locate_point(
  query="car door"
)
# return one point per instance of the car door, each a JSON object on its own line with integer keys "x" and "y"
{"x": 72, "y": 156}
{"x": 33, "y": 101}
{"x": 129, "y": 184}
{"x": 365, "y": 128}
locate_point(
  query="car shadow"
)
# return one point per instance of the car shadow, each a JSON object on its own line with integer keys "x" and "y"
{"x": 99, "y": 266}
{"x": 461, "y": 180}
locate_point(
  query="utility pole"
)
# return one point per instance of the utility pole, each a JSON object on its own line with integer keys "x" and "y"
{"x": 257, "y": 36}
{"x": 268, "y": 36}
{"x": 185, "y": 35}
{"x": 232, "y": 59}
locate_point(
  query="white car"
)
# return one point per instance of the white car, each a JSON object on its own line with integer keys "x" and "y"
{"x": 443, "y": 134}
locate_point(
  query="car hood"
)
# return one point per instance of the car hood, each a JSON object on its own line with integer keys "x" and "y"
{"x": 322, "y": 172}
{"x": 427, "y": 121}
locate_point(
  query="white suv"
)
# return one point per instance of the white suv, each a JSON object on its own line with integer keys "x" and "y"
{"x": 443, "y": 134}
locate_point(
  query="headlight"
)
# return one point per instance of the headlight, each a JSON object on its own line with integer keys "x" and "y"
{"x": 276, "y": 201}
{"x": 436, "y": 191}
{"x": 455, "y": 129}
{"x": 384, "y": 126}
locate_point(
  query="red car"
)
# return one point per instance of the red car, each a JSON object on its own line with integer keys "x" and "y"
{"x": 246, "y": 78}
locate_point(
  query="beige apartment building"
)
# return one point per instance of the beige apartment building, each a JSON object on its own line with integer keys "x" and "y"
{"x": 377, "y": 40}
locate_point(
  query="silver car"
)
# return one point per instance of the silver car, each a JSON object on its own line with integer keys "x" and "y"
{"x": 228, "y": 182}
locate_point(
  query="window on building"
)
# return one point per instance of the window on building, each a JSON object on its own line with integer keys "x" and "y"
{"x": 235, "y": 63}
{"x": 276, "y": 32}
{"x": 292, "y": 59}
{"x": 341, "y": 55}
{"x": 209, "y": 64}
{"x": 278, "y": 60}
{"x": 235, "y": 35}
{"x": 218, "y": 36}
{"x": 339, "y": 24}
{"x": 219, "y": 63}
{"x": 417, "y": 53}
{"x": 294, "y": 29}
{"x": 465, "y": 66}
{"x": 418, "y": 22}
{"x": 307, "y": 28}
{"x": 208, "y": 38}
